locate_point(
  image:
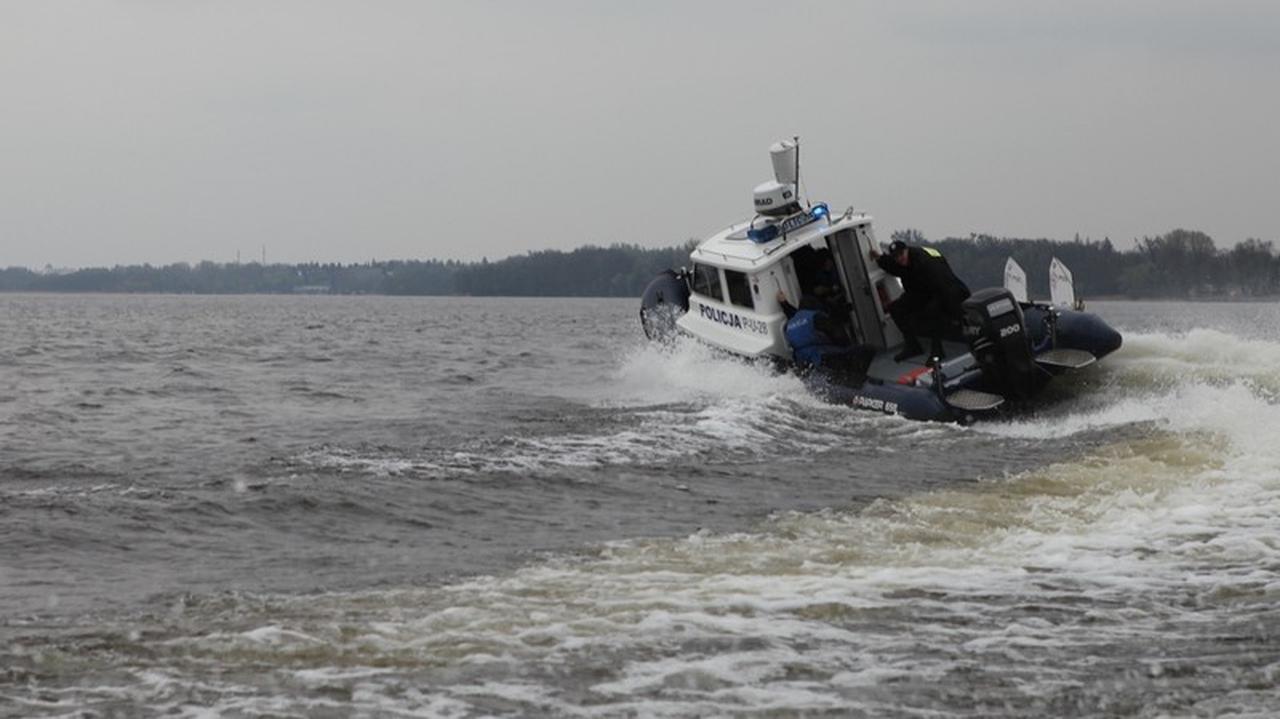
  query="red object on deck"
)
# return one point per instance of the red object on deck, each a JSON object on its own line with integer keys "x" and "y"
{"x": 909, "y": 378}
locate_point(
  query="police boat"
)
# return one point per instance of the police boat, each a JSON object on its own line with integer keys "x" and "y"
{"x": 1001, "y": 353}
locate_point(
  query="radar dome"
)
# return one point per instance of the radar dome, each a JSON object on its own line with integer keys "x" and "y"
{"x": 775, "y": 198}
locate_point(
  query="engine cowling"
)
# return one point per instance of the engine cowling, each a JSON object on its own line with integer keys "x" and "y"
{"x": 997, "y": 334}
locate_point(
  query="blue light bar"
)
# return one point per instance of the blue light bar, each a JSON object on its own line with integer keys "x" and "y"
{"x": 820, "y": 210}
{"x": 768, "y": 233}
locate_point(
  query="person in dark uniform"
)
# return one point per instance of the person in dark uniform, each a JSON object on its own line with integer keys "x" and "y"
{"x": 932, "y": 298}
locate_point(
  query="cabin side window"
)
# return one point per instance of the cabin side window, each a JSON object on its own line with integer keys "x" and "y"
{"x": 706, "y": 281}
{"x": 739, "y": 289}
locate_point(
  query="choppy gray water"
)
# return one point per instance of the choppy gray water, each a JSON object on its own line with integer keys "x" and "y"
{"x": 338, "y": 506}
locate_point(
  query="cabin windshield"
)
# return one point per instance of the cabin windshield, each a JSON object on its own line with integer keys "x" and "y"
{"x": 706, "y": 281}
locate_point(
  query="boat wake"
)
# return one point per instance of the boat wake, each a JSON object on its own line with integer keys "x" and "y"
{"x": 665, "y": 404}
{"x": 661, "y": 405}
{"x": 1140, "y": 575}
{"x": 1159, "y": 361}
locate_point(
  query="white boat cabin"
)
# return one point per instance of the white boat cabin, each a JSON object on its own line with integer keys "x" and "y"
{"x": 735, "y": 278}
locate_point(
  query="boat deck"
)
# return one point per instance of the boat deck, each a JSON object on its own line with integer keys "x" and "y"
{"x": 886, "y": 369}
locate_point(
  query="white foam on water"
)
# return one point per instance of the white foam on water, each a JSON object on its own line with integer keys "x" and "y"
{"x": 1032, "y": 586}
{"x": 1145, "y": 381}
{"x": 768, "y": 426}
{"x": 337, "y": 676}
{"x": 1127, "y": 411}
{"x": 1204, "y": 348}
{"x": 1200, "y": 355}
{"x": 654, "y": 373}
{"x": 351, "y": 460}
{"x": 277, "y": 635}
{"x": 677, "y": 401}
{"x": 1142, "y": 541}
{"x": 64, "y": 491}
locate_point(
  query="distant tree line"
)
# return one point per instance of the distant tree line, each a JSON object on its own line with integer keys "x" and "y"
{"x": 615, "y": 271}
{"x": 1179, "y": 264}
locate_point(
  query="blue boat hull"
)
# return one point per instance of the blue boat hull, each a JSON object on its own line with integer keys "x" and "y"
{"x": 1068, "y": 329}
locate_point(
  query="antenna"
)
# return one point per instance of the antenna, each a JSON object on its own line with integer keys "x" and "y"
{"x": 807, "y": 202}
{"x": 796, "y": 139}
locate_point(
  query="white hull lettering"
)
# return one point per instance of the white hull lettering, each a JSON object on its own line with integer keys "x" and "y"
{"x": 731, "y": 319}
{"x": 878, "y": 405}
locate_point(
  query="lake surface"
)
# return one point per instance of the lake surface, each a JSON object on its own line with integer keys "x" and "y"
{"x": 372, "y": 506}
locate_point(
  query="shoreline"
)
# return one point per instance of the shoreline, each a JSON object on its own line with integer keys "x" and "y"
{"x": 1209, "y": 299}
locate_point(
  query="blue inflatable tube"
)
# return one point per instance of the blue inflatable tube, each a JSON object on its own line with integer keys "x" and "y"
{"x": 918, "y": 403}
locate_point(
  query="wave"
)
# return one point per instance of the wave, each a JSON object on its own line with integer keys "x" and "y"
{"x": 1150, "y": 559}
{"x": 1161, "y": 360}
{"x": 659, "y": 405}
{"x": 665, "y": 404}
{"x": 1082, "y": 568}
{"x": 728, "y": 429}
{"x": 653, "y": 373}
{"x": 662, "y": 404}
{"x": 1140, "y": 576}
{"x": 1067, "y": 575}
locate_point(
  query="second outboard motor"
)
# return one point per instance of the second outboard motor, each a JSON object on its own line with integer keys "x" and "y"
{"x": 997, "y": 335}
{"x": 664, "y": 300}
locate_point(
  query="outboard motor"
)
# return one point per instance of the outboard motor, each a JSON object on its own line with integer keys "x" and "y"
{"x": 997, "y": 336}
{"x": 664, "y": 300}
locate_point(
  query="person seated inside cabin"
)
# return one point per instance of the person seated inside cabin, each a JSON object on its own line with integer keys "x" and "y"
{"x": 826, "y": 280}
{"x": 819, "y": 340}
{"x": 819, "y": 280}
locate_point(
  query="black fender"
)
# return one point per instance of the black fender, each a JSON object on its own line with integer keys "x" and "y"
{"x": 663, "y": 302}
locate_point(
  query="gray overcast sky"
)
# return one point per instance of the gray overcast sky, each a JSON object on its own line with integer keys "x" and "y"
{"x": 179, "y": 131}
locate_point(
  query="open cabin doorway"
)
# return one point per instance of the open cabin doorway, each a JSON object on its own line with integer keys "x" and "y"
{"x": 849, "y": 248}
